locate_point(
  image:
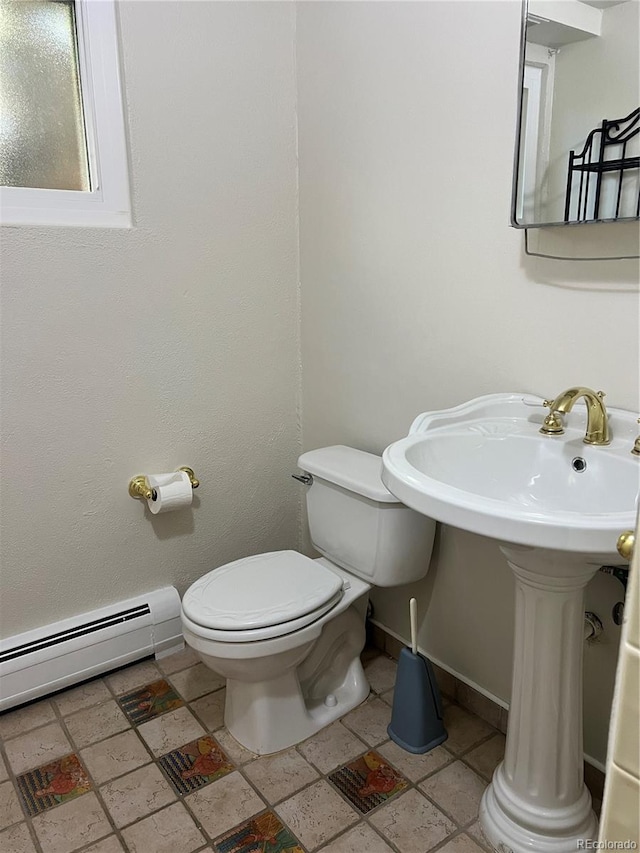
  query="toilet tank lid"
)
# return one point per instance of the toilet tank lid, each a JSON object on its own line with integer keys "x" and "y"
{"x": 352, "y": 469}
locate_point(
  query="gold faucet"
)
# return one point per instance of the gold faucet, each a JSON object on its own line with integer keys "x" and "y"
{"x": 597, "y": 424}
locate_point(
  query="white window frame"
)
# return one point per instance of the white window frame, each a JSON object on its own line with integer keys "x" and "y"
{"x": 108, "y": 203}
{"x": 535, "y": 140}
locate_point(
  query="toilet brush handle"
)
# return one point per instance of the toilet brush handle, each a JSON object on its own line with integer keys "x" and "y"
{"x": 413, "y": 618}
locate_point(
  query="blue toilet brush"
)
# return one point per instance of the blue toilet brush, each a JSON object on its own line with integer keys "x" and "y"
{"x": 416, "y": 720}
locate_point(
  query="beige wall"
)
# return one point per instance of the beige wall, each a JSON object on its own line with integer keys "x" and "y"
{"x": 416, "y": 294}
{"x": 178, "y": 342}
{"x": 173, "y": 343}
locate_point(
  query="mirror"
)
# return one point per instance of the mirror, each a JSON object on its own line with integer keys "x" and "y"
{"x": 578, "y": 141}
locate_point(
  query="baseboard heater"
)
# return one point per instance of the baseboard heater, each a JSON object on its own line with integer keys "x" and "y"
{"x": 47, "y": 659}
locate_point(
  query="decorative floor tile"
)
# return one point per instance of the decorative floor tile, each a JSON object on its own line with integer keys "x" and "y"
{"x": 196, "y": 764}
{"x": 262, "y": 833}
{"x": 368, "y": 781}
{"x": 52, "y": 784}
{"x": 150, "y": 701}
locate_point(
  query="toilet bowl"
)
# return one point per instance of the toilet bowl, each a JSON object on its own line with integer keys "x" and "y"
{"x": 286, "y": 631}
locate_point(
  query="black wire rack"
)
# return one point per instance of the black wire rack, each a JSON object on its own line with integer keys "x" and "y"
{"x": 605, "y": 153}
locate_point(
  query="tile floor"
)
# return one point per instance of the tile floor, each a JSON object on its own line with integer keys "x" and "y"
{"x": 140, "y": 761}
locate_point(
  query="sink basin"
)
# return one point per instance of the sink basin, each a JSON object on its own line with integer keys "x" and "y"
{"x": 557, "y": 505}
{"x": 484, "y": 467}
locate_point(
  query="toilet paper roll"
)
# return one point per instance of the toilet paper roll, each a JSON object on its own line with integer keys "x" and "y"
{"x": 173, "y": 491}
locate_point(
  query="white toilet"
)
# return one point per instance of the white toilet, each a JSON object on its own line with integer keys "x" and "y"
{"x": 287, "y": 631}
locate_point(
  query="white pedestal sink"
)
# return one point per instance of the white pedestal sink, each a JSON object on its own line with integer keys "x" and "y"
{"x": 557, "y": 505}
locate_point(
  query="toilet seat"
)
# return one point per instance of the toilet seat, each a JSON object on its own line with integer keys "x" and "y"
{"x": 261, "y": 597}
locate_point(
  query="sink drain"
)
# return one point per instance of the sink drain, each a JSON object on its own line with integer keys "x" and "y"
{"x": 579, "y": 464}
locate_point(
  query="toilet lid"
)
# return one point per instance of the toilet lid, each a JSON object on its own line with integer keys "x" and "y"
{"x": 261, "y": 591}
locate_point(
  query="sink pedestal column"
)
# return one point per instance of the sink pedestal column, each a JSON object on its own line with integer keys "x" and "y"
{"x": 537, "y": 801}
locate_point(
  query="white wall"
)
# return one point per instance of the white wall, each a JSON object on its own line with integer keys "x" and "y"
{"x": 416, "y": 294}
{"x": 173, "y": 343}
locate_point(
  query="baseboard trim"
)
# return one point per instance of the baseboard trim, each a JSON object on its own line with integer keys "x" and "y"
{"x": 470, "y": 695}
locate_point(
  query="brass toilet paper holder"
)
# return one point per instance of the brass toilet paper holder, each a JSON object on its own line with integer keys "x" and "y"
{"x": 140, "y": 489}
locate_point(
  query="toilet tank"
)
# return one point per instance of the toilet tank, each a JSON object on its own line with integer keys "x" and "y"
{"x": 358, "y": 524}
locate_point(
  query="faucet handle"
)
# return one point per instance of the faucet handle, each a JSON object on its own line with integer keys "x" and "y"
{"x": 552, "y": 424}
{"x": 636, "y": 445}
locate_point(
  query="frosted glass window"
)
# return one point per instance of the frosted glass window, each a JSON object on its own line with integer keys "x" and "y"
{"x": 42, "y": 134}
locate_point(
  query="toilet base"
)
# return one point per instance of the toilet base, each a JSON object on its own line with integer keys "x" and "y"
{"x": 276, "y": 713}
{"x": 267, "y": 717}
